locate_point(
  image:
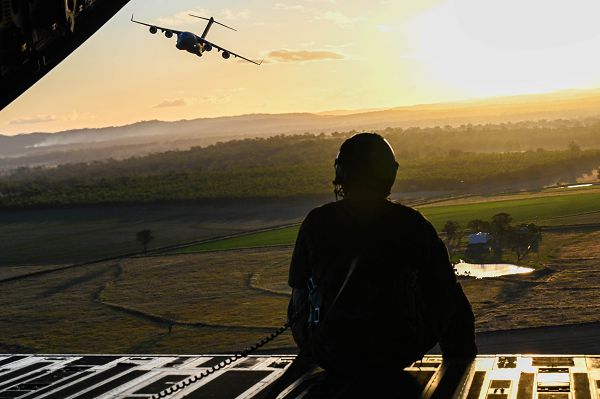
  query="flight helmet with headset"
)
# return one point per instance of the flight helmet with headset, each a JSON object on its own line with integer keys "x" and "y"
{"x": 365, "y": 164}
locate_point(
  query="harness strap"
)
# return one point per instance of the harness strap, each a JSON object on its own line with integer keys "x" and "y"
{"x": 314, "y": 295}
{"x": 350, "y": 271}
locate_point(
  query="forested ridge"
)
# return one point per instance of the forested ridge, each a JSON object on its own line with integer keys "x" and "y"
{"x": 301, "y": 165}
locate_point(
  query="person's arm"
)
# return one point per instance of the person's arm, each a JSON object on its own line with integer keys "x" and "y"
{"x": 298, "y": 277}
{"x": 458, "y": 341}
{"x": 456, "y": 322}
{"x": 300, "y": 270}
{"x": 438, "y": 281}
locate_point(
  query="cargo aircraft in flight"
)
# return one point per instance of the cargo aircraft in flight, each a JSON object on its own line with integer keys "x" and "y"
{"x": 193, "y": 43}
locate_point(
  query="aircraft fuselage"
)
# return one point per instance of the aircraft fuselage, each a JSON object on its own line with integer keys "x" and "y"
{"x": 189, "y": 42}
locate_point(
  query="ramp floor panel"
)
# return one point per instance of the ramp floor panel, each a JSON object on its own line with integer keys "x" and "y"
{"x": 503, "y": 376}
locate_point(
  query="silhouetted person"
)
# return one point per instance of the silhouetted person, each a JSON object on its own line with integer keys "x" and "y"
{"x": 373, "y": 287}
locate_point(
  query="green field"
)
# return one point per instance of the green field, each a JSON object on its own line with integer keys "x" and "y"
{"x": 282, "y": 236}
{"x": 47, "y": 237}
{"x": 543, "y": 209}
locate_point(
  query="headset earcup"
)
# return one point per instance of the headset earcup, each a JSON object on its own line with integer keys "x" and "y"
{"x": 340, "y": 173}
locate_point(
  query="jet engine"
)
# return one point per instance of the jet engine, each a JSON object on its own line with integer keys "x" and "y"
{"x": 168, "y": 34}
{"x": 226, "y": 54}
{"x": 207, "y": 47}
{"x": 153, "y": 29}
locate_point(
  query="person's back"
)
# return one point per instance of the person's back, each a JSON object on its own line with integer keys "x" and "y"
{"x": 382, "y": 289}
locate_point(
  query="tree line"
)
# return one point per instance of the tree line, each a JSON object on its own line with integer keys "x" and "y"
{"x": 499, "y": 235}
{"x": 276, "y": 167}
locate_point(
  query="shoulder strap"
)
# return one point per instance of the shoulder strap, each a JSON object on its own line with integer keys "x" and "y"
{"x": 350, "y": 272}
{"x": 315, "y": 299}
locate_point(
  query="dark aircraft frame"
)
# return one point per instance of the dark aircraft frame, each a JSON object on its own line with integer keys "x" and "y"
{"x": 193, "y": 43}
{"x": 36, "y": 35}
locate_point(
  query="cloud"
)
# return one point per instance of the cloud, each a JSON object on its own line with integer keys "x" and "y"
{"x": 175, "y": 102}
{"x": 384, "y": 28}
{"x": 72, "y": 116}
{"x": 220, "y": 96}
{"x": 183, "y": 18}
{"x": 303, "y": 55}
{"x": 75, "y": 115}
{"x": 234, "y": 15}
{"x": 338, "y": 46}
{"x": 339, "y": 18}
{"x": 216, "y": 99}
{"x": 30, "y": 120}
{"x": 289, "y": 7}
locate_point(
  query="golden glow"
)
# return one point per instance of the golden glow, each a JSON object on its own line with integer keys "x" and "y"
{"x": 320, "y": 55}
{"x": 486, "y": 48}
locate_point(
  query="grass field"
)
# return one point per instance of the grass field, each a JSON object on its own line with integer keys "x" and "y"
{"x": 543, "y": 209}
{"x": 546, "y": 209}
{"x": 220, "y": 301}
{"x": 225, "y": 300}
{"x": 282, "y": 236}
{"x": 216, "y": 302}
{"x": 59, "y": 236}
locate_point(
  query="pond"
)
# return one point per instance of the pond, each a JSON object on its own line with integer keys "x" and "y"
{"x": 486, "y": 270}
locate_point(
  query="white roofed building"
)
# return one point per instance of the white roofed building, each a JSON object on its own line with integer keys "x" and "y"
{"x": 479, "y": 238}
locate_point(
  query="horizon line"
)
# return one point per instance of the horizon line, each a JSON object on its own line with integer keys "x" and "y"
{"x": 330, "y": 112}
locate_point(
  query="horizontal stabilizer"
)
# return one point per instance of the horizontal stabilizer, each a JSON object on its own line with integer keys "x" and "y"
{"x": 216, "y": 22}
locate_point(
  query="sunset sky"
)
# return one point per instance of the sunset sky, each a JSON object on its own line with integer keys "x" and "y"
{"x": 319, "y": 55}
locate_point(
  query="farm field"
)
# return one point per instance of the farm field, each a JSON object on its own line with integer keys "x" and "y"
{"x": 67, "y": 235}
{"x": 216, "y": 303}
{"x": 225, "y": 300}
{"x": 278, "y": 236}
{"x": 545, "y": 209}
{"x": 48, "y": 237}
{"x": 221, "y": 296}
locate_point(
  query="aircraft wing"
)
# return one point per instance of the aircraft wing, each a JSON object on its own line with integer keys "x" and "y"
{"x": 231, "y": 52}
{"x": 175, "y": 31}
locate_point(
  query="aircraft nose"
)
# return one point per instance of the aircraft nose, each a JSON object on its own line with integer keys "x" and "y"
{"x": 179, "y": 43}
{"x": 185, "y": 42}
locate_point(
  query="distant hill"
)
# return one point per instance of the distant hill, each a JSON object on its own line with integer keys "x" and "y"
{"x": 146, "y": 137}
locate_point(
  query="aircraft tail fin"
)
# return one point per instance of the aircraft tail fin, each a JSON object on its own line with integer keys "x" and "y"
{"x": 213, "y": 20}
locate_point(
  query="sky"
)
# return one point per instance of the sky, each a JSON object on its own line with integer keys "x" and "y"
{"x": 318, "y": 55}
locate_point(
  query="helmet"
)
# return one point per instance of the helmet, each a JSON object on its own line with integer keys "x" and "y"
{"x": 366, "y": 164}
